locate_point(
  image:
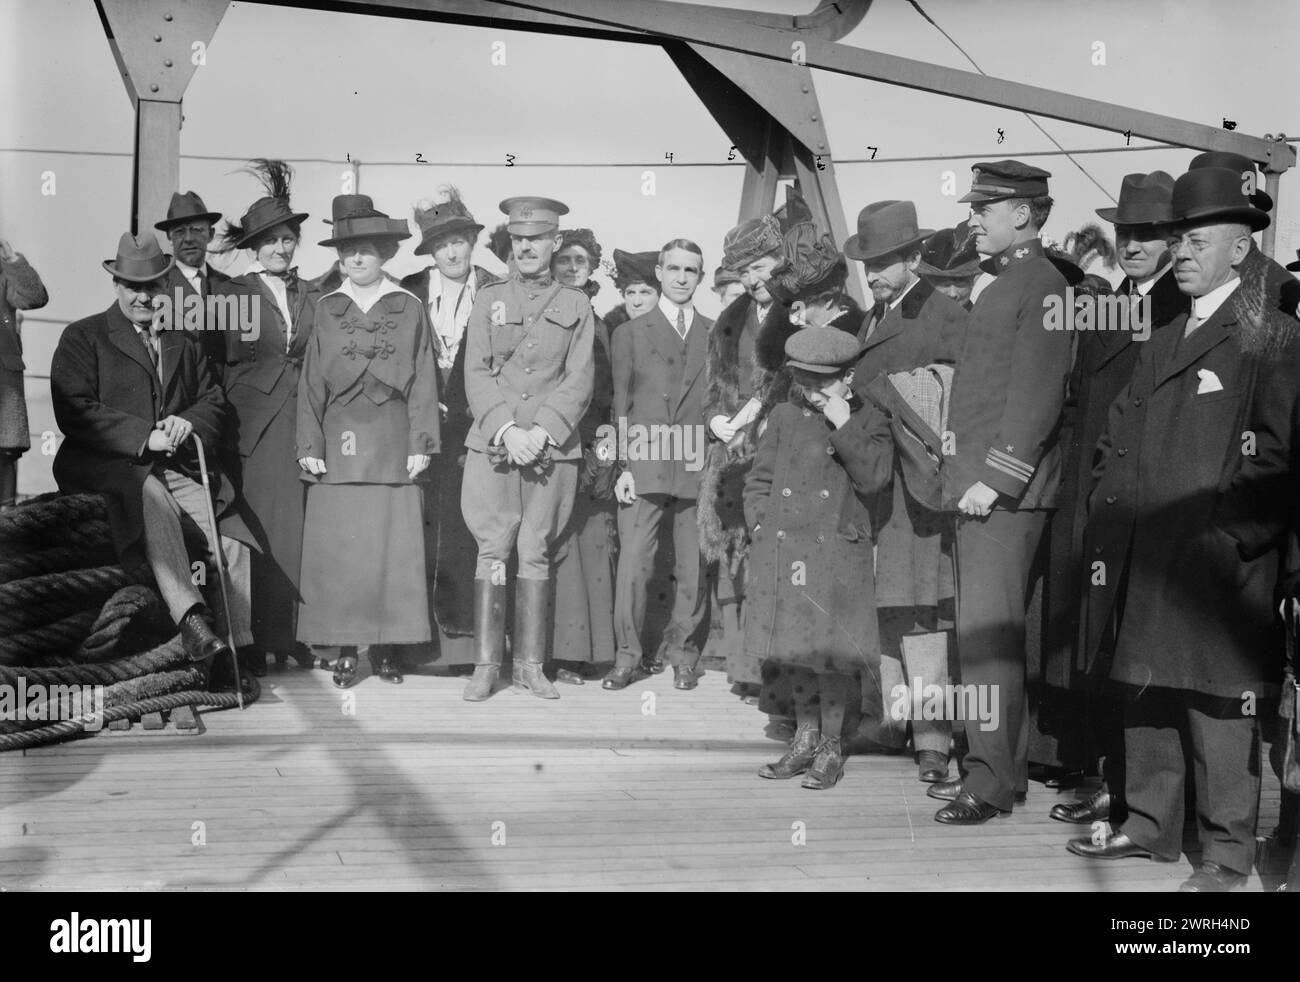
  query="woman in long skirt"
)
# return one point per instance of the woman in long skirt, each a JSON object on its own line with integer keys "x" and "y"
{"x": 586, "y": 553}
{"x": 367, "y": 426}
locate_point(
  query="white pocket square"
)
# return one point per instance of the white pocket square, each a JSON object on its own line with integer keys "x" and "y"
{"x": 1209, "y": 382}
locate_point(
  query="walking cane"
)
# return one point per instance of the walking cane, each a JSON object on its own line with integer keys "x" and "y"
{"x": 221, "y": 566}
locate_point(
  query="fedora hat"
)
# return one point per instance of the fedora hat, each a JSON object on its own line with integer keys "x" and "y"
{"x": 1240, "y": 163}
{"x": 885, "y": 227}
{"x": 1144, "y": 199}
{"x": 355, "y": 218}
{"x": 949, "y": 254}
{"x": 187, "y": 207}
{"x": 140, "y": 259}
{"x": 1214, "y": 194}
{"x": 444, "y": 218}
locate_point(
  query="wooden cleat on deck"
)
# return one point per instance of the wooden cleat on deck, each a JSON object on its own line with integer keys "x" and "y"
{"x": 152, "y": 721}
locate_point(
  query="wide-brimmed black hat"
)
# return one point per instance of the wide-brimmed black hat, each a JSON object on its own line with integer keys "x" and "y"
{"x": 635, "y": 267}
{"x": 811, "y": 265}
{"x": 355, "y": 217}
{"x": 443, "y": 218}
{"x": 1144, "y": 199}
{"x": 1214, "y": 194}
{"x": 187, "y": 207}
{"x": 1240, "y": 163}
{"x": 883, "y": 228}
{"x": 140, "y": 259}
{"x": 949, "y": 254}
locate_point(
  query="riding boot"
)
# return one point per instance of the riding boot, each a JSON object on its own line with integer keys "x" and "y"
{"x": 531, "y": 597}
{"x": 489, "y": 638}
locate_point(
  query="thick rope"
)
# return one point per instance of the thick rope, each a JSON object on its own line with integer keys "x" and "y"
{"x": 33, "y": 520}
{"x": 65, "y": 729}
{"x": 166, "y": 655}
{"x": 86, "y": 535}
{"x": 39, "y": 600}
{"x": 133, "y": 620}
{"x": 34, "y": 647}
{"x": 55, "y": 560}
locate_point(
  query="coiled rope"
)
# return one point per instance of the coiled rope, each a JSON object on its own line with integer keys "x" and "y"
{"x": 66, "y": 729}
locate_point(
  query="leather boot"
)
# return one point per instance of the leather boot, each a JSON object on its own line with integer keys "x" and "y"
{"x": 531, "y": 597}
{"x": 201, "y": 644}
{"x": 489, "y": 638}
{"x": 828, "y": 766}
{"x": 798, "y": 758}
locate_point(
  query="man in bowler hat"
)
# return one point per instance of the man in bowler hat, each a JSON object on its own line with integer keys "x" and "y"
{"x": 529, "y": 372}
{"x": 1007, "y": 395}
{"x": 1193, "y": 497}
{"x": 127, "y": 397}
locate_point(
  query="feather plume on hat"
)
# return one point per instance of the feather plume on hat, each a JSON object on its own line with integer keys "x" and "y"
{"x": 275, "y": 176}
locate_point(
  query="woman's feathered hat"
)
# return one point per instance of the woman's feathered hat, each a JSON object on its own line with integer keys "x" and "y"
{"x": 438, "y": 218}
{"x": 812, "y": 264}
{"x": 266, "y": 212}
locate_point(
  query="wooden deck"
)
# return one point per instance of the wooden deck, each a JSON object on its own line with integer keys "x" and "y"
{"x": 419, "y": 790}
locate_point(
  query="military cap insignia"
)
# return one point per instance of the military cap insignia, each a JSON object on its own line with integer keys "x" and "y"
{"x": 1005, "y": 261}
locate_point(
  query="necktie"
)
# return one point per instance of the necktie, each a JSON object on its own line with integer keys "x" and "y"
{"x": 152, "y": 351}
{"x": 877, "y": 315}
{"x": 1193, "y": 322}
{"x": 198, "y": 283}
{"x": 681, "y": 323}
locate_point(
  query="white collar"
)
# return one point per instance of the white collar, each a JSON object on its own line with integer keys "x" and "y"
{"x": 670, "y": 309}
{"x": 386, "y": 286}
{"x": 1145, "y": 288}
{"x": 1204, "y": 307}
{"x": 899, "y": 299}
{"x": 189, "y": 271}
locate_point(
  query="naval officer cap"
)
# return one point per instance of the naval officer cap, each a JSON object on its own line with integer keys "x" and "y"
{"x": 821, "y": 350}
{"x": 533, "y": 216}
{"x": 1003, "y": 179}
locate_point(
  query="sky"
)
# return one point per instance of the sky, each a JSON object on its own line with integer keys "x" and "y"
{"x": 308, "y": 85}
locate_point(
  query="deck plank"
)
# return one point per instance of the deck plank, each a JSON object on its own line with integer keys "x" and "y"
{"x": 590, "y": 793}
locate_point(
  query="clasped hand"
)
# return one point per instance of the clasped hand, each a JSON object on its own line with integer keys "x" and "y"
{"x": 170, "y": 433}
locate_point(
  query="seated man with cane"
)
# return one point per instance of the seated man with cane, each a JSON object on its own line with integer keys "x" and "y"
{"x": 128, "y": 394}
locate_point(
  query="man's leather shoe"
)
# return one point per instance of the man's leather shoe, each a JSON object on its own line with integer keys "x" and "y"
{"x": 684, "y": 677}
{"x": 945, "y": 790}
{"x": 1210, "y": 877}
{"x": 620, "y": 678}
{"x": 1061, "y": 779}
{"x": 967, "y": 810}
{"x": 199, "y": 641}
{"x": 345, "y": 669}
{"x": 1094, "y": 808}
{"x": 951, "y": 790}
{"x": 653, "y": 666}
{"x": 931, "y": 766}
{"x": 1115, "y": 846}
{"x": 384, "y": 664}
{"x": 253, "y": 659}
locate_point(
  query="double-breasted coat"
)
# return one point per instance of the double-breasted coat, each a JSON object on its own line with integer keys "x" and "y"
{"x": 1197, "y": 615}
{"x": 260, "y": 372}
{"x": 449, "y": 546}
{"x": 107, "y": 398}
{"x": 658, "y": 382}
{"x": 367, "y": 400}
{"x": 810, "y": 584}
{"x": 913, "y": 567}
{"x": 20, "y": 289}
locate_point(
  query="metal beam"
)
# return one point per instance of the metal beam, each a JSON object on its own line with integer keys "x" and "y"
{"x": 667, "y": 19}
{"x": 154, "y": 44}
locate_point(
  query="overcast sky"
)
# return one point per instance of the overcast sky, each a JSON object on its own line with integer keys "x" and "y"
{"x": 302, "y": 84}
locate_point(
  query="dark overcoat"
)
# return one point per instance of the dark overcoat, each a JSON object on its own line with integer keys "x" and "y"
{"x": 658, "y": 382}
{"x": 20, "y": 289}
{"x": 1197, "y": 616}
{"x": 913, "y": 565}
{"x": 212, "y": 341}
{"x": 260, "y": 373}
{"x": 450, "y": 547}
{"x": 107, "y": 398}
{"x": 810, "y": 584}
